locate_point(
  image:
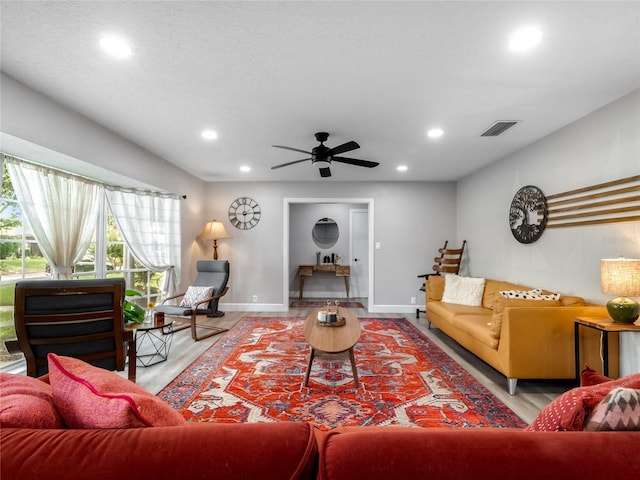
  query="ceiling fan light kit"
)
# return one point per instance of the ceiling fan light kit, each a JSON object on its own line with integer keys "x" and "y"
{"x": 322, "y": 156}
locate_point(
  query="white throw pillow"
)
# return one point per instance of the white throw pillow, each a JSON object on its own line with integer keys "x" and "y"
{"x": 463, "y": 290}
{"x": 195, "y": 295}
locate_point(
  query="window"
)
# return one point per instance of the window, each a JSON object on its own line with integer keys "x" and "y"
{"x": 21, "y": 258}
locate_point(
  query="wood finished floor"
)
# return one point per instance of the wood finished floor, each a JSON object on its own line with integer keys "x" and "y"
{"x": 530, "y": 398}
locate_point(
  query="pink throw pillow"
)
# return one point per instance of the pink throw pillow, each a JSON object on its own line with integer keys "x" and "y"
{"x": 91, "y": 397}
{"x": 26, "y": 402}
{"x": 569, "y": 411}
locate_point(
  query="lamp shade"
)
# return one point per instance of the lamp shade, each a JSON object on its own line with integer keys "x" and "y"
{"x": 620, "y": 276}
{"x": 214, "y": 230}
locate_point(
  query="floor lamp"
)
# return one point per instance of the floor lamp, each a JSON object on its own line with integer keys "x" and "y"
{"x": 214, "y": 230}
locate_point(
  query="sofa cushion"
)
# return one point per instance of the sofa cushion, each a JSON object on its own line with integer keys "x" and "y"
{"x": 569, "y": 410}
{"x": 91, "y": 397}
{"x": 26, "y": 402}
{"x": 619, "y": 410}
{"x": 383, "y": 453}
{"x": 448, "y": 311}
{"x": 463, "y": 290}
{"x": 571, "y": 301}
{"x": 478, "y": 327}
{"x": 435, "y": 288}
{"x": 211, "y": 451}
{"x": 501, "y": 303}
{"x": 492, "y": 290}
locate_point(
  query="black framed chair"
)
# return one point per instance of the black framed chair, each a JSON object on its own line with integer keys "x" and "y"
{"x": 74, "y": 318}
{"x": 449, "y": 261}
{"x": 210, "y": 273}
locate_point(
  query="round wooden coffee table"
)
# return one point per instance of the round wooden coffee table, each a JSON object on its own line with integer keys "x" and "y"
{"x": 325, "y": 339}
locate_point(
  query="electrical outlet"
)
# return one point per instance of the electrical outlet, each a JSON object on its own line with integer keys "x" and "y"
{"x": 413, "y": 300}
{"x": 255, "y": 298}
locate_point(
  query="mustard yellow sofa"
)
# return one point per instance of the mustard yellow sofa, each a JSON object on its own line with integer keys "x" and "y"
{"x": 522, "y": 339}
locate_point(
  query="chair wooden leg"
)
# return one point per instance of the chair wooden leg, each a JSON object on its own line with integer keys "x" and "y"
{"x": 131, "y": 353}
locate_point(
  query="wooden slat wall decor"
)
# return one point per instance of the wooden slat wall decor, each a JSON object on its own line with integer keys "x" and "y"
{"x": 609, "y": 202}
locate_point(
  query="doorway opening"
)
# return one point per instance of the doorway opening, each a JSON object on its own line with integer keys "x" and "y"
{"x": 290, "y": 267}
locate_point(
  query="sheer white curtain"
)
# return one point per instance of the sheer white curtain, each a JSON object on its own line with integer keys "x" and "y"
{"x": 150, "y": 225}
{"x": 61, "y": 209}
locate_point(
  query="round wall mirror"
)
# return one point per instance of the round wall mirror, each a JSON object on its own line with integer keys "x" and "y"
{"x": 325, "y": 233}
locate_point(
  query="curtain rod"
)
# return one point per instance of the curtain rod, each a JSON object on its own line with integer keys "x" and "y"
{"x": 90, "y": 180}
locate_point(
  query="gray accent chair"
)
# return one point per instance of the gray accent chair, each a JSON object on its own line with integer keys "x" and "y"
{"x": 210, "y": 273}
{"x": 74, "y": 318}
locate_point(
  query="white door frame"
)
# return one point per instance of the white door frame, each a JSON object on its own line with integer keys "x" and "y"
{"x": 285, "y": 240}
{"x": 351, "y": 254}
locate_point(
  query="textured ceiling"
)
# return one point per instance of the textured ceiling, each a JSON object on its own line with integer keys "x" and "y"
{"x": 380, "y": 73}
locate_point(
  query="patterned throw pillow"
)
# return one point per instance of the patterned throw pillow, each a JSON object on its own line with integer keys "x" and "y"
{"x": 195, "y": 295}
{"x": 569, "y": 411}
{"x": 535, "y": 294}
{"x": 620, "y": 410}
{"x": 526, "y": 295}
{"x": 89, "y": 397}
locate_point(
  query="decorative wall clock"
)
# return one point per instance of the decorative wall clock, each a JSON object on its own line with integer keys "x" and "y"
{"x": 528, "y": 214}
{"x": 244, "y": 213}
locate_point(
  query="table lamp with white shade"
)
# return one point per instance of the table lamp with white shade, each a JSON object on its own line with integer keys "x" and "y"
{"x": 621, "y": 276}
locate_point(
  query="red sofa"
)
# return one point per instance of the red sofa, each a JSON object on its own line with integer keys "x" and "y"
{"x": 82, "y": 422}
{"x": 291, "y": 450}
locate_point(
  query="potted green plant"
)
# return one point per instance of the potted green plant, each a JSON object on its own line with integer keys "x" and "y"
{"x": 132, "y": 313}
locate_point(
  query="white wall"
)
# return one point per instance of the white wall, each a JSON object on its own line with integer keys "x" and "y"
{"x": 602, "y": 146}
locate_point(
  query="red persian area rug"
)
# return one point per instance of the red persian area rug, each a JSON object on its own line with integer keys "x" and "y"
{"x": 319, "y": 302}
{"x": 256, "y": 374}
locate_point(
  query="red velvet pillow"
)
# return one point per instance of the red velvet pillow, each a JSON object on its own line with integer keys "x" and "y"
{"x": 589, "y": 377}
{"x": 569, "y": 410}
{"x": 26, "y": 402}
{"x": 91, "y": 397}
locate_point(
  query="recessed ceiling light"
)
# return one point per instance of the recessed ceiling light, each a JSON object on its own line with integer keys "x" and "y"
{"x": 209, "y": 134}
{"x": 525, "y": 39}
{"x": 435, "y": 133}
{"x": 245, "y": 168}
{"x": 116, "y": 47}
{"x": 402, "y": 168}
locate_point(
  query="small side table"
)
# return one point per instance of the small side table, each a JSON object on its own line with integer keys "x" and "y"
{"x": 604, "y": 325}
{"x": 153, "y": 341}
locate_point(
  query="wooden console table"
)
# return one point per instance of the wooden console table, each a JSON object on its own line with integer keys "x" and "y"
{"x": 341, "y": 271}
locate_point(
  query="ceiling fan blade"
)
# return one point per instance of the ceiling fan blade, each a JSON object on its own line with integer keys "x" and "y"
{"x": 355, "y": 161}
{"x": 345, "y": 147}
{"x": 325, "y": 172}
{"x": 290, "y": 163}
{"x": 291, "y": 148}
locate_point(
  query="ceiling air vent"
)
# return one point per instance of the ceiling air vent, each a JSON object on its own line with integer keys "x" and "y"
{"x": 498, "y": 128}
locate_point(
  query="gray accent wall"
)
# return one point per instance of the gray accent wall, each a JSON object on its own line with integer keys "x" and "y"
{"x": 602, "y": 146}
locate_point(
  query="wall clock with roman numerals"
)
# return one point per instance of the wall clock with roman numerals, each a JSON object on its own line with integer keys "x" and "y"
{"x": 244, "y": 213}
